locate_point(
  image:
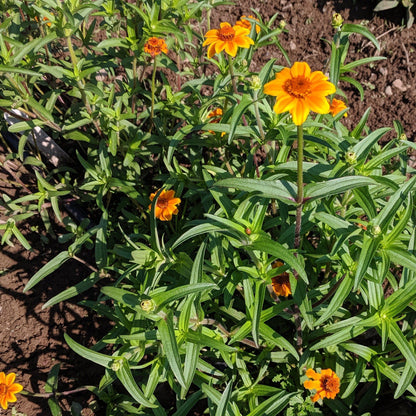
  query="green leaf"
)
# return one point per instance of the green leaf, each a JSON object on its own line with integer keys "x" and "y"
{"x": 405, "y": 347}
{"x": 352, "y": 28}
{"x": 206, "y": 341}
{"x": 257, "y": 309}
{"x": 336, "y": 186}
{"x": 101, "y": 242}
{"x": 269, "y": 246}
{"x": 224, "y": 401}
{"x": 170, "y": 347}
{"x": 274, "y": 405}
{"x": 126, "y": 377}
{"x": 368, "y": 250}
{"x": 406, "y": 380}
{"x": 272, "y": 337}
{"x": 17, "y": 70}
{"x": 281, "y": 190}
{"x": 96, "y": 357}
{"x": 47, "y": 269}
{"x": 161, "y": 299}
{"x": 238, "y": 112}
{"x": 74, "y": 290}
{"x": 348, "y": 332}
{"x": 336, "y": 302}
{"x": 364, "y": 146}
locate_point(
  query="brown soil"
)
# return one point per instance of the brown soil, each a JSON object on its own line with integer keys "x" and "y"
{"x": 31, "y": 339}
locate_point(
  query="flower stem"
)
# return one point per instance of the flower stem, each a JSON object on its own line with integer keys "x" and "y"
{"x": 153, "y": 90}
{"x": 257, "y": 113}
{"x": 299, "y": 198}
{"x": 231, "y": 68}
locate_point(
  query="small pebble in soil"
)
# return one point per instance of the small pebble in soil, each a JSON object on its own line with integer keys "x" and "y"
{"x": 399, "y": 85}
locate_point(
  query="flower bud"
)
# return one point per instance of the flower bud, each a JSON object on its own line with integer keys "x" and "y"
{"x": 337, "y": 20}
{"x": 116, "y": 365}
{"x": 282, "y": 24}
{"x": 148, "y": 305}
{"x": 255, "y": 82}
{"x": 375, "y": 230}
{"x": 403, "y": 137}
{"x": 350, "y": 158}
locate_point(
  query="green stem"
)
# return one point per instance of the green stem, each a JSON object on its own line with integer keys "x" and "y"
{"x": 299, "y": 198}
{"x": 257, "y": 113}
{"x": 231, "y": 68}
{"x": 153, "y": 89}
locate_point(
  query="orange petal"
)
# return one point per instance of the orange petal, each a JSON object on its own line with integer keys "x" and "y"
{"x": 273, "y": 88}
{"x": 312, "y": 374}
{"x": 284, "y": 103}
{"x": 312, "y": 385}
{"x": 10, "y": 378}
{"x": 318, "y": 103}
{"x": 231, "y": 48}
{"x": 211, "y": 50}
{"x": 300, "y": 112}
{"x": 224, "y": 24}
{"x": 219, "y": 46}
{"x": 300, "y": 69}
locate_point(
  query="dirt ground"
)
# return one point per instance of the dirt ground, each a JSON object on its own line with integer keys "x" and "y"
{"x": 31, "y": 339}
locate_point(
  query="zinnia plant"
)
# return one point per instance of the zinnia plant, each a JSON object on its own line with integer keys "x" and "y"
{"x": 8, "y": 389}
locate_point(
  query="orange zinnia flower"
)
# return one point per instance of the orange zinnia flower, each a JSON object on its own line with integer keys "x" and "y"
{"x": 243, "y": 22}
{"x": 227, "y": 37}
{"x": 155, "y": 46}
{"x": 337, "y": 106}
{"x": 325, "y": 383}
{"x": 281, "y": 282}
{"x": 215, "y": 115}
{"x": 8, "y": 389}
{"x": 298, "y": 90}
{"x": 165, "y": 205}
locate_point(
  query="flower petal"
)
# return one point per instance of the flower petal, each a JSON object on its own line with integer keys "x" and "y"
{"x": 312, "y": 384}
{"x": 231, "y": 48}
{"x": 300, "y": 69}
{"x": 312, "y": 374}
{"x": 318, "y": 103}
{"x": 300, "y": 112}
{"x": 284, "y": 103}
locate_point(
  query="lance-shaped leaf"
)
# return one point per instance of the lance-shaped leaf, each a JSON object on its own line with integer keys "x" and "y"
{"x": 336, "y": 186}
{"x": 171, "y": 348}
{"x": 277, "y": 189}
{"x": 125, "y": 375}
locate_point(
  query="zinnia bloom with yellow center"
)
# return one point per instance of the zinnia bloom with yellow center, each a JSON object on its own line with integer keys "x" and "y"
{"x": 228, "y": 38}
{"x": 325, "y": 383}
{"x": 155, "y": 46}
{"x": 281, "y": 282}
{"x": 8, "y": 389}
{"x": 298, "y": 90}
{"x": 165, "y": 205}
{"x": 243, "y": 22}
{"x": 337, "y": 106}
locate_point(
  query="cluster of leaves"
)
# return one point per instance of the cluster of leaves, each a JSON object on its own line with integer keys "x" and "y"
{"x": 194, "y": 315}
{"x": 409, "y": 5}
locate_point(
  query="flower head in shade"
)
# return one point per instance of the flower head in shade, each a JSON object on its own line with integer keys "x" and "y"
{"x": 281, "y": 282}
{"x": 155, "y": 46}
{"x": 326, "y": 383}
{"x": 336, "y": 106}
{"x": 243, "y": 22}
{"x": 165, "y": 205}
{"x": 8, "y": 389}
{"x": 228, "y": 38}
{"x": 298, "y": 90}
{"x": 214, "y": 116}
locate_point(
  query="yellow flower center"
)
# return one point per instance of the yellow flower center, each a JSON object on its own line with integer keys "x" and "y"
{"x": 226, "y": 34}
{"x": 3, "y": 389}
{"x": 298, "y": 87}
{"x": 330, "y": 384}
